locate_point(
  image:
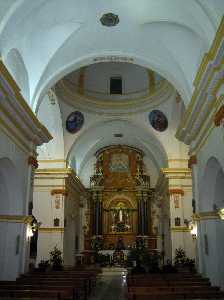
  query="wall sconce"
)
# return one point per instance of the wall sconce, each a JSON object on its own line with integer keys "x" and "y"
{"x": 29, "y": 231}
{"x": 221, "y": 213}
{"x": 193, "y": 228}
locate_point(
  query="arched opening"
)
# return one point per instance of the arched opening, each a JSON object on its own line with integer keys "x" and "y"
{"x": 11, "y": 233}
{"x": 211, "y": 229}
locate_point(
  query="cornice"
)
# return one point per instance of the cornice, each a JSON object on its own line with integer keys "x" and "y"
{"x": 206, "y": 129}
{"x": 180, "y": 229}
{"x": 72, "y": 180}
{"x": 176, "y": 191}
{"x": 51, "y": 229}
{"x": 52, "y": 161}
{"x": 207, "y": 215}
{"x": 16, "y": 117}
{"x": 110, "y": 107}
{"x": 16, "y": 219}
{"x": 209, "y": 78}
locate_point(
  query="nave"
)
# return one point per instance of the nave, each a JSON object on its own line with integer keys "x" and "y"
{"x": 111, "y": 145}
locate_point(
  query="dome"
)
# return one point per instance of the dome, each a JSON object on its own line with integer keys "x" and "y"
{"x": 111, "y": 86}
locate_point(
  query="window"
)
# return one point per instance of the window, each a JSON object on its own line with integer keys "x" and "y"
{"x": 116, "y": 85}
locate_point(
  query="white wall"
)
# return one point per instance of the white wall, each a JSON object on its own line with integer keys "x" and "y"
{"x": 13, "y": 189}
{"x": 209, "y": 173}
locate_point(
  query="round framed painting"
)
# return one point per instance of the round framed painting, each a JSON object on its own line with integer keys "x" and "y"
{"x": 158, "y": 120}
{"x": 74, "y": 122}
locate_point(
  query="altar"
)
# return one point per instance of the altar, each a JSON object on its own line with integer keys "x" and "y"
{"x": 111, "y": 252}
{"x": 120, "y": 203}
{"x": 116, "y": 256}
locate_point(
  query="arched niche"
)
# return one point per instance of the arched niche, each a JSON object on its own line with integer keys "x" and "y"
{"x": 211, "y": 231}
{"x": 208, "y": 185}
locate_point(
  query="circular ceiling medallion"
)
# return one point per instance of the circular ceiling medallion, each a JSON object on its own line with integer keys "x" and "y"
{"x": 109, "y": 19}
{"x": 158, "y": 120}
{"x": 74, "y": 122}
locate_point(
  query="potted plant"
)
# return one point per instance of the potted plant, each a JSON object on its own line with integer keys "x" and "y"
{"x": 56, "y": 259}
{"x": 43, "y": 265}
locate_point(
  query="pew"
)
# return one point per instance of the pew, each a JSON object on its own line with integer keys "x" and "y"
{"x": 171, "y": 286}
{"x": 50, "y": 285}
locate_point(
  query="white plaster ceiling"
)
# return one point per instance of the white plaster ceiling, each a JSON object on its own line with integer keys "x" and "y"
{"x": 52, "y": 38}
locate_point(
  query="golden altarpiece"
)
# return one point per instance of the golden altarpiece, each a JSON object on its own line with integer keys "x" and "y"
{"x": 120, "y": 203}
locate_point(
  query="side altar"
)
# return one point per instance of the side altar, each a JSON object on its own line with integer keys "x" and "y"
{"x": 120, "y": 203}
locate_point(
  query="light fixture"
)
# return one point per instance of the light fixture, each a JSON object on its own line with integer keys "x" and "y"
{"x": 221, "y": 213}
{"x": 109, "y": 20}
{"x": 193, "y": 229}
{"x": 29, "y": 231}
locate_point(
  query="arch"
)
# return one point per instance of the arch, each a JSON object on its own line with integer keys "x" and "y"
{"x": 208, "y": 186}
{"x": 121, "y": 197}
{"x": 49, "y": 79}
{"x": 211, "y": 231}
{"x": 92, "y": 139}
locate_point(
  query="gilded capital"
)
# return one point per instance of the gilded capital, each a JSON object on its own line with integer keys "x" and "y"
{"x": 219, "y": 116}
{"x": 33, "y": 161}
{"x": 59, "y": 192}
{"x": 192, "y": 161}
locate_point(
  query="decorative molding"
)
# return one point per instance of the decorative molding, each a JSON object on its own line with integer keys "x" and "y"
{"x": 52, "y": 160}
{"x": 176, "y": 173}
{"x": 180, "y": 229}
{"x": 16, "y": 219}
{"x": 219, "y": 116}
{"x": 72, "y": 182}
{"x": 113, "y": 58}
{"x": 130, "y": 104}
{"x": 177, "y": 160}
{"x": 176, "y": 192}
{"x": 207, "y": 215}
{"x": 81, "y": 81}
{"x": 33, "y": 161}
{"x": 16, "y": 117}
{"x": 200, "y": 112}
{"x": 175, "y": 170}
{"x": 51, "y": 229}
{"x": 59, "y": 192}
{"x": 192, "y": 161}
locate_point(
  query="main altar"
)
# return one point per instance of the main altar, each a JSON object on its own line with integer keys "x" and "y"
{"x": 120, "y": 202}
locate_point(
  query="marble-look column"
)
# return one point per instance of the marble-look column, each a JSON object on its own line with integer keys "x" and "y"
{"x": 97, "y": 213}
{"x": 142, "y": 198}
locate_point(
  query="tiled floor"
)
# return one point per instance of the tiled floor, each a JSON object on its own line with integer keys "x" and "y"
{"x": 111, "y": 285}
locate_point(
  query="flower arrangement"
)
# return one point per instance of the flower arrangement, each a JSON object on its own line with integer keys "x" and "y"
{"x": 97, "y": 243}
{"x": 56, "y": 259}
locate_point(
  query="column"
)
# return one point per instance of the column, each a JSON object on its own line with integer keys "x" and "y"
{"x": 97, "y": 213}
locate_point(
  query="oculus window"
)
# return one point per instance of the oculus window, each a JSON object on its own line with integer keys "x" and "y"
{"x": 116, "y": 85}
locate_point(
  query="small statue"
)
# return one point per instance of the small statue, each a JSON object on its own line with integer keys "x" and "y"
{"x": 120, "y": 244}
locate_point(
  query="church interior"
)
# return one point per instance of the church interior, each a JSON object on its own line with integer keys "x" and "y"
{"x": 111, "y": 149}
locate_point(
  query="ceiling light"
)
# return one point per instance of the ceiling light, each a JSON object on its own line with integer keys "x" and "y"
{"x": 109, "y": 20}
